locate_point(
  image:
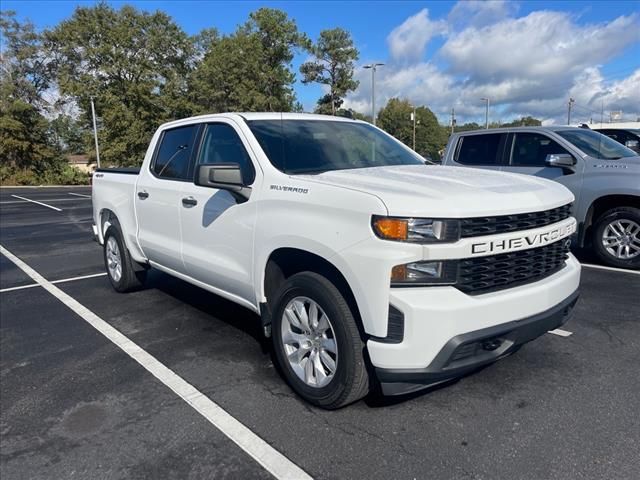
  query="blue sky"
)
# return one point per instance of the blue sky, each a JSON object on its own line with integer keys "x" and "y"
{"x": 448, "y": 54}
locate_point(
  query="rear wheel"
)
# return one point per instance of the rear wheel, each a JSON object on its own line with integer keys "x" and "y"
{"x": 616, "y": 237}
{"x": 123, "y": 272}
{"x": 317, "y": 343}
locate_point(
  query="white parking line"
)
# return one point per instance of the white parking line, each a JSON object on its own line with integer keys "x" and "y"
{"x": 39, "y": 203}
{"x": 49, "y": 200}
{"x": 64, "y": 280}
{"x": 613, "y": 269}
{"x": 560, "y": 333}
{"x": 263, "y": 453}
{"x": 80, "y": 195}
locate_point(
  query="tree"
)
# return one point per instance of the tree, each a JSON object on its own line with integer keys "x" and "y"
{"x": 332, "y": 66}
{"x": 527, "y": 121}
{"x": 395, "y": 119}
{"x": 249, "y": 70}
{"x": 25, "y": 143}
{"x": 136, "y": 66}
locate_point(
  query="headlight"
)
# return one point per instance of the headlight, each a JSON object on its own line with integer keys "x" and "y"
{"x": 425, "y": 273}
{"x": 416, "y": 230}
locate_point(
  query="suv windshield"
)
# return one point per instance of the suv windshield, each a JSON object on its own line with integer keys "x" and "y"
{"x": 315, "y": 146}
{"x": 596, "y": 145}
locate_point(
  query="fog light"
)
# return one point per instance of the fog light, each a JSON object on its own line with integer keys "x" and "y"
{"x": 425, "y": 273}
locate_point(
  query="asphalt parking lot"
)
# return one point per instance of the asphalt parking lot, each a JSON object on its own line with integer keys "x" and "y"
{"x": 75, "y": 405}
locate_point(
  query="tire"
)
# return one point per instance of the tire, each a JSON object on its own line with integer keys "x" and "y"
{"x": 129, "y": 276}
{"x": 349, "y": 381}
{"x": 618, "y": 227}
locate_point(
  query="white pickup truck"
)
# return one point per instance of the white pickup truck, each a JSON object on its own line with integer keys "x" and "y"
{"x": 367, "y": 267}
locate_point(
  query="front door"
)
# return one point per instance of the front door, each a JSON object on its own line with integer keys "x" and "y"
{"x": 218, "y": 228}
{"x": 527, "y": 153}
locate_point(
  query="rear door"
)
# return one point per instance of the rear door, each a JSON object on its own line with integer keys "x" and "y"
{"x": 217, "y": 227}
{"x": 158, "y": 197}
{"x": 526, "y": 153}
{"x": 480, "y": 150}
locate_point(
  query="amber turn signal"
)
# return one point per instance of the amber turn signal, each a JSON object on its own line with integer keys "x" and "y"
{"x": 391, "y": 228}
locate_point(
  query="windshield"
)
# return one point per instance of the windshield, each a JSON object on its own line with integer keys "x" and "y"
{"x": 315, "y": 146}
{"x": 596, "y": 145}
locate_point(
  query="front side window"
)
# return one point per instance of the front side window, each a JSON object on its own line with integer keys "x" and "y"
{"x": 315, "y": 146}
{"x": 174, "y": 153}
{"x": 480, "y": 149}
{"x": 531, "y": 150}
{"x": 595, "y": 144}
{"x": 221, "y": 144}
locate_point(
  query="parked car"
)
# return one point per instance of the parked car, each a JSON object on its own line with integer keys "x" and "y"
{"x": 603, "y": 175}
{"x": 365, "y": 264}
{"x": 629, "y": 137}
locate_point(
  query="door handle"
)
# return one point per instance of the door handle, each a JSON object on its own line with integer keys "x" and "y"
{"x": 143, "y": 195}
{"x": 189, "y": 202}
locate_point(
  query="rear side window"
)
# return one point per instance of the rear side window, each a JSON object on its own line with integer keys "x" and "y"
{"x": 221, "y": 144}
{"x": 480, "y": 149}
{"x": 174, "y": 153}
{"x": 531, "y": 150}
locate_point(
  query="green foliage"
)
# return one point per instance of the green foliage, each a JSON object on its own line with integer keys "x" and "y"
{"x": 249, "y": 70}
{"x": 333, "y": 66}
{"x": 528, "y": 121}
{"x": 68, "y": 134}
{"x": 395, "y": 119}
{"x": 134, "y": 63}
{"x": 59, "y": 174}
{"x": 25, "y": 64}
{"x": 25, "y": 140}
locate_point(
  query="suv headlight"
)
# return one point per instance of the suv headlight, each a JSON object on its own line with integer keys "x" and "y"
{"x": 416, "y": 230}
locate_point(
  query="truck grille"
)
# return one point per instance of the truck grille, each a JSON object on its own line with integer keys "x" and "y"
{"x": 507, "y": 270}
{"x": 478, "y": 226}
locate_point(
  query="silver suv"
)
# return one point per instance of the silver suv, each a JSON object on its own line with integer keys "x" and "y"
{"x": 603, "y": 175}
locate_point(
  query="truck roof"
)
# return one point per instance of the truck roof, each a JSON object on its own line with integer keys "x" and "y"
{"x": 258, "y": 116}
{"x": 552, "y": 128}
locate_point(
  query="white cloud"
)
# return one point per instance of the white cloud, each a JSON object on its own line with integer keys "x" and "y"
{"x": 527, "y": 65}
{"x": 408, "y": 41}
{"x": 479, "y": 13}
{"x": 541, "y": 45}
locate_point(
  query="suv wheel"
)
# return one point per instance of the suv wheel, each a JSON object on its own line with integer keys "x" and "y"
{"x": 616, "y": 237}
{"x": 121, "y": 268}
{"x": 317, "y": 343}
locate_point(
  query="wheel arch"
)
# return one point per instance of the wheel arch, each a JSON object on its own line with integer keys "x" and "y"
{"x": 602, "y": 204}
{"x": 284, "y": 262}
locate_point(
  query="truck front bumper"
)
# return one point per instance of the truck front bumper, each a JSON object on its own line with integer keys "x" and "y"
{"x": 448, "y": 333}
{"x": 469, "y": 351}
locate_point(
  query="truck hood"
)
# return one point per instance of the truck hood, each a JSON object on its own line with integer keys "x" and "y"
{"x": 454, "y": 192}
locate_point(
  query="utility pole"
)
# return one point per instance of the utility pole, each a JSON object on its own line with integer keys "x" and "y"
{"x": 413, "y": 117}
{"x": 486, "y": 113}
{"x": 95, "y": 132}
{"x": 373, "y": 67}
{"x": 453, "y": 119}
{"x": 570, "y": 104}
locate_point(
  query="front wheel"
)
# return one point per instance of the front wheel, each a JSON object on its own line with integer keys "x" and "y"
{"x": 616, "y": 237}
{"x": 317, "y": 342}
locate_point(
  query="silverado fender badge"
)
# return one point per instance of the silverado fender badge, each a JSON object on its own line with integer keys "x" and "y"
{"x": 287, "y": 188}
{"x": 523, "y": 241}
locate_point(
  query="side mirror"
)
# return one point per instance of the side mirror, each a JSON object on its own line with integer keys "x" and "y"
{"x": 563, "y": 160}
{"x": 225, "y": 176}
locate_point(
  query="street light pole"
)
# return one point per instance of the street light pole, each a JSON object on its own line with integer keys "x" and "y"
{"x": 413, "y": 117}
{"x": 373, "y": 67}
{"x": 95, "y": 132}
{"x": 570, "y": 104}
{"x": 486, "y": 113}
